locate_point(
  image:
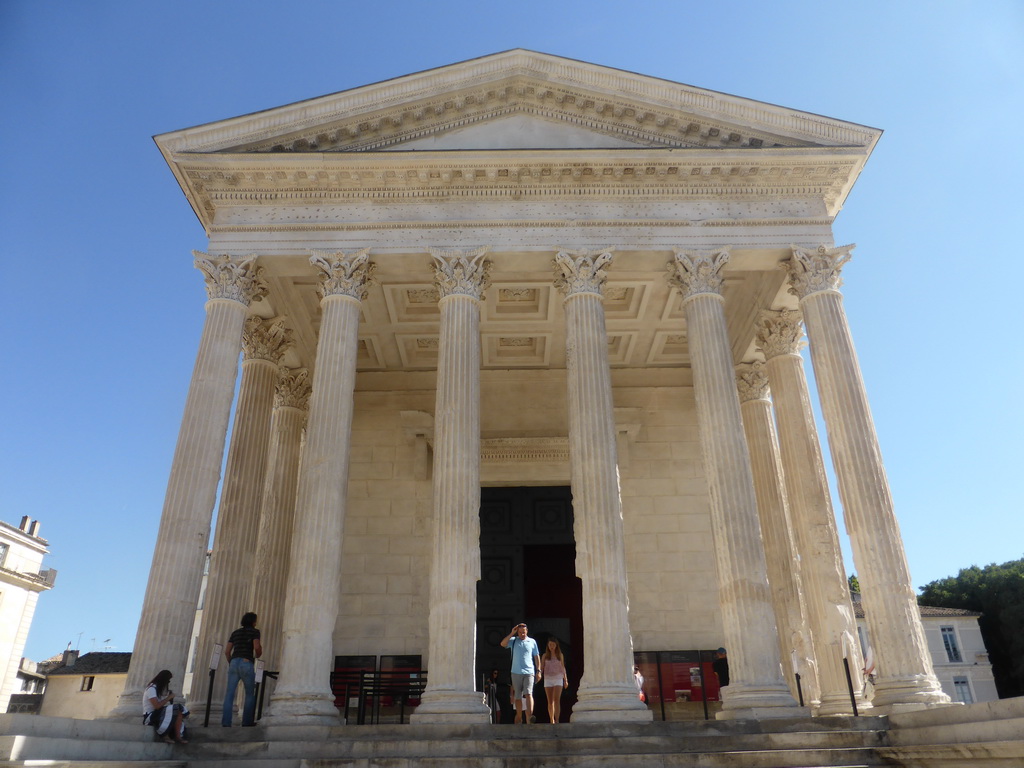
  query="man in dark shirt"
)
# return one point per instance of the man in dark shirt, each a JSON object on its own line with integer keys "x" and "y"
{"x": 242, "y": 650}
{"x": 721, "y": 667}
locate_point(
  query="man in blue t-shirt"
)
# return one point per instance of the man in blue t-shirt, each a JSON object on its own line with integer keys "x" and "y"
{"x": 525, "y": 669}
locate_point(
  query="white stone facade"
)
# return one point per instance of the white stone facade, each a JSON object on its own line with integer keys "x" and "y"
{"x": 22, "y": 579}
{"x": 609, "y": 374}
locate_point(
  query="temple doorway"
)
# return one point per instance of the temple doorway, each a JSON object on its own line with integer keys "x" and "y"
{"x": 528, "y": 573}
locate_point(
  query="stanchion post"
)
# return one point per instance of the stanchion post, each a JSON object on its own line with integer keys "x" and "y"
{"x": 214, "y": 663}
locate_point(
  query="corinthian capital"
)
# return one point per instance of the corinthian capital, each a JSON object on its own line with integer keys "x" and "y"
{"x": 231, "y": 277}
{"x": 817, "y": 270}
{"x": 779, "y": 333}
{"x": 461, "y": 273}
{"x": 752, "y": 381}
{"x": 265, "y": 340}
{"x": 344, "y": 274}
{"x": 581, "y": 271}
{"x": 293, "y": 388}
{"x": 697, "y": 272}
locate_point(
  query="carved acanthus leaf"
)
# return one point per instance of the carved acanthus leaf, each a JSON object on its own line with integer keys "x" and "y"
{"x": 344, "y": 274}
{"x": 817, "y": 270}
{"x": 231, "y": 277}
{"x": 581, "y": 271}
{"x": 779, "y": 333}
{"x": 697, "y": 272}
{"x": 265, "y": 340}
{"x": 293, "y": 388}
{"x": 752, "y": 382}
{"x": 461, "y": 273}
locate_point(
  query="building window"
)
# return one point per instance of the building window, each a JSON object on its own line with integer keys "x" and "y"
{"x": 87, "y": 682}
{"x": 952, "y": 646}
{"x": 3, "y": 553}
{"x": 962, "y": 689}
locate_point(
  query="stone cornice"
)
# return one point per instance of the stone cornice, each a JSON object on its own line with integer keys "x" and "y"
{"x": 215, "y": 181}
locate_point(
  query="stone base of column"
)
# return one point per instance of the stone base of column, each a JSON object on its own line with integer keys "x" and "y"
{"x": 908, "y": 694}
{"x": 453, "y": 707}
{"x": 291, "y": 709}
{"x": 610, "y": 704}
{"x": 127, "y": 709}
{"x": 840, "y": 705}
{"x": 755, "y": 702}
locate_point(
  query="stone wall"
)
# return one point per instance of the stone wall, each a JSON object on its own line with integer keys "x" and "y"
{"x": 669, "y": 550}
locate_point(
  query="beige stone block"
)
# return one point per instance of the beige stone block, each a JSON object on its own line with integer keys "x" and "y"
{"x": 686, "y": 450}
{"x": 649, "y": 487}
{"x": 408, "y": 545}
{"x": 360, "y": 584}
{"x": 374, "y": 471}
{"x": 387, "y": 564}
{"x": 384, "y": 453}
{"x": 390, "y": 525}
{"x": 370, "y": 545}
{"x": 665, "y": 434}
{"x": 362, "y": 454}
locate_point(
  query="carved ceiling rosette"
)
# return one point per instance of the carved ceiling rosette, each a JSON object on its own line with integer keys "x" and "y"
{"x": 344, "y": 274}
{"x": 779, "y": 333}
{"x": 752, "y": 381}
{"x": 293, "y": 389}
{"x": 231, "y": 277}
{"x": 461, "y": 273}
{"x": 262, "y": 340}
{"x": 814, "y": 271}
{"x": 697, "y": 272}
{"x": 581, "y": 271}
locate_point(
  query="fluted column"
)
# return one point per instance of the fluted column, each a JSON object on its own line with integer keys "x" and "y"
{"x": 451, "y": 695}
{"x": 829, "y": 608}
{"x": 757, "y": 688}
{"x": 228, "y": 587}
{"x": 905, "y": 678}
{"x": 780, "y": 553}
{"x": 303, "y": 694}
{"x": 175, "y": 577}
{"x": 277, "y": 509}
{"x": 607, "y": 692}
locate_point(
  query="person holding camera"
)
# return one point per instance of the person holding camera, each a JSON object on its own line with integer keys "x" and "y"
{"x": 160, "y": 711}
{"x": 525, "y": 669}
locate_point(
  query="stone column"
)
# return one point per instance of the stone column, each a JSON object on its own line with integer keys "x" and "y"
{"x": 905, "y": 678}
{"x": 175, "y": 577}
{"x": 780, "y": 553}
{"x": 228, "y": 586}
{"x": 829, "y": 608}
{"x": 451, "y": 695}
{"x": 277, "y": 509}
{"x": 607, "y": 692}
{"x": 757, "y": 688}
{"x": 303, "y": 695}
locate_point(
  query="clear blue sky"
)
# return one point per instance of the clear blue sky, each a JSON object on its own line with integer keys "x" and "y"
{"x": 104, "y": 309}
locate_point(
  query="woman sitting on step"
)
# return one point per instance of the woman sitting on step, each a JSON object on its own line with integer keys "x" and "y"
{"x": 160, "y": 711}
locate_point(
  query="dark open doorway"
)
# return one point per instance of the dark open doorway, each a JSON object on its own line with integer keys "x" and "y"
{"x": 528, "y": 573}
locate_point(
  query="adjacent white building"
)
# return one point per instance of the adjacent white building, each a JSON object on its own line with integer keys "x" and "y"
{"x": 22, "y": 578}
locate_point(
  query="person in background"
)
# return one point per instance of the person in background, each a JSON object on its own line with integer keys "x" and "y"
{"x": 242, "y": 650}
{"x": 638, "y": 678}
{"x": 160, "y": 711}
{"x": 721, "y": 667}
{"x": 525, "y": 669}
{"x": 556, "y": 679}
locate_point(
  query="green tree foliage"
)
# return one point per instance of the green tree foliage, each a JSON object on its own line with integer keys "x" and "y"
{"x": 854, "y": 584}
{"x": 997, "y": 591}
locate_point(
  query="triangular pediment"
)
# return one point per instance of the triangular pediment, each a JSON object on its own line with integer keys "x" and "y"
{"x": 519, "y": 100}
